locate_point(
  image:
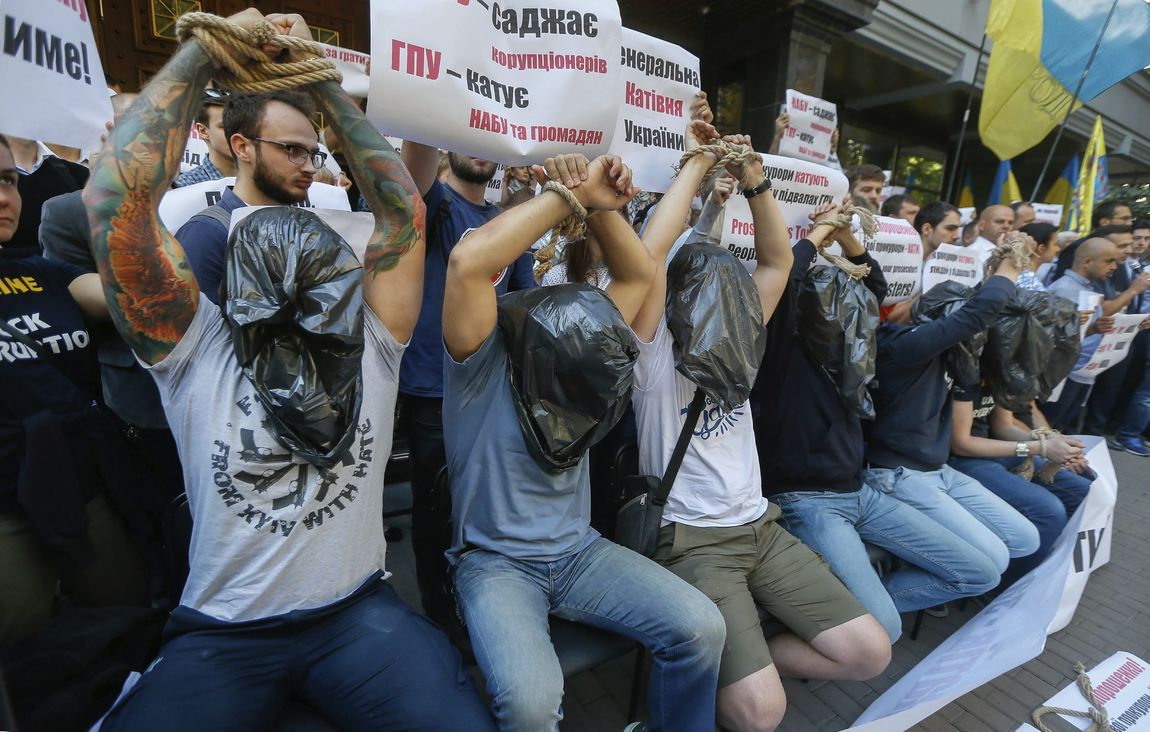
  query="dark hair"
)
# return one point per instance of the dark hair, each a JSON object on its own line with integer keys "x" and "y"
{"x": 1140, "y": 224}
{"x": 1019, "y": 204}
{"x": 866, "y": 171}
{"x": 1040, "y": 232}
{"x": 1109, "y": 229}
{"x": 578, "y": 256}
{"x": 933, "y": 213}
{"x": 1105, "y": 210}
{"x": 244, "y": 113}
{"x": 892, "y": 205}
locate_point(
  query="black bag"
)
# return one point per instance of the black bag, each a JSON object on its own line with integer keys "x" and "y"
{"x": 837, "y": 320}
{"x": 637, "y": 526}
{"x": 1021, "y": 345}
{"x": 961, "y": 360}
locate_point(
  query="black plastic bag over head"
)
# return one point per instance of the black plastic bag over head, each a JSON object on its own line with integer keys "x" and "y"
{"x": 940, "y": 301}
{"x": 572, "y": 360}
{"x": 837, "y": 320}
{"x": 1031, "y": 346}
{"x": 293, "y": 298}
{"x": 716, "y": 322}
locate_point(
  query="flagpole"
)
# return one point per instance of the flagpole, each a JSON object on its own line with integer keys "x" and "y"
{"x": 965, "y": 121}
{"x": 1070, "y": 109}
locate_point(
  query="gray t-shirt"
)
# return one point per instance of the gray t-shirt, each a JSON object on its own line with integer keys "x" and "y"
{"x": 502, "y": 499}
{"x": 273, "y": 533}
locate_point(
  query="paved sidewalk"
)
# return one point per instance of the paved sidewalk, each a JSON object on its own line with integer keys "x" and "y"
{"x": 1114, "y": 615}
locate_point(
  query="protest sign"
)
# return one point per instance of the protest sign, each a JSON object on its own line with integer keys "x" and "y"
{"x": 813, "y": 122}
{"x": 180, "y": 204}
{"x": 356, "y": 227}
{"x": 1047, "y": 213}
{"x": 498, "y": 80}
{"x": 798, "y": 186}
{"x": 353, "y": 66}
{"x": 897, "y": 248}
{"x": 966, "y": 214}
{"x": 1121, "y": 684}
{"x": 1114, "y": 345}
{"x": 654, "y": 109}
{"x": 195, "y": 152}
{"x": 951, "y": 262}
{"x": 53, "y": 81}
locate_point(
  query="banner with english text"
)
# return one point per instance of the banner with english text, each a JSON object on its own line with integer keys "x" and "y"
{"x": 513, "y": 81}
{"x": 654, "y": 109}
{"x": 50, "y": 74}
{"x": 798, "y": 186}
{"x": 897, "y": 248}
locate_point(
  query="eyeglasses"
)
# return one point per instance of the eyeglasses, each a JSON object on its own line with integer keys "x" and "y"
{"x": 297, "y": 154}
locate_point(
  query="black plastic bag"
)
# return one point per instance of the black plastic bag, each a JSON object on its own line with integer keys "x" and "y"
{"x": 1029, "y": 343}
{"x": 962, "y": 360}
{"x": 837, "y": 320}
{"x": 716, "y": 322}
{"x": 294, "y": 303}
{"x": 572, "y": 359}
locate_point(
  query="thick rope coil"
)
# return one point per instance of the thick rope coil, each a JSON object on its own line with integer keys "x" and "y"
{"x": 572, "y": 228}
{"x": 234, "y": 50}
{"x": 1014, "y": 247}
{"x": 726, "y": 153}
{"x": 845, "y": 218}
{"x": 1099, "y": 719}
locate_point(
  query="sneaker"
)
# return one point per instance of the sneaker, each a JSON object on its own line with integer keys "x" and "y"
{"x": 938, "y": 611}
{"x": 1113, "y": 443}
{"x": 1134, "y": 446}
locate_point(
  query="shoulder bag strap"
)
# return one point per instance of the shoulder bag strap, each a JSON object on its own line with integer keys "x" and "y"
{"x": 693, "y": 412}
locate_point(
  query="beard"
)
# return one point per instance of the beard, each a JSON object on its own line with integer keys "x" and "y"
{"x": 470, "y": 171}
{"x": 274, "y": 187}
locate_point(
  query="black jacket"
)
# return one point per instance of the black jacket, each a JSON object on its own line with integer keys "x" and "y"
{"x": 807, "y": 439}
{"x": 912, "y": 426}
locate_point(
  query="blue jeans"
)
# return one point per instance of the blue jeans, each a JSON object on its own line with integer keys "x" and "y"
{"x": 1048, "y": 506}
{"x": 987, "y": 522}
{"x": 938, "y": 565}
{"x": 368, "y": 662}
{"x": 505, "y": 604}
{"x": 1138, "y": 408}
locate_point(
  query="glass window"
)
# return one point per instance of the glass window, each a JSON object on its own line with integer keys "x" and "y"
{"x": 166, "y": 12}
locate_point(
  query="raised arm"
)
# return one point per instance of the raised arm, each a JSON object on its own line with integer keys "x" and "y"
{"x": 627, "y": 260}
{"x": 151, "y": 292}
{"x": 393, "y": 261}
{"x": 423, "y": 162}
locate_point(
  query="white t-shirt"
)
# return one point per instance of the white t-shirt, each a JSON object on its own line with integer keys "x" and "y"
{"x": 719, "y": 482}
{"x": 983, "y": 247}
{"x": 272, "y": 532}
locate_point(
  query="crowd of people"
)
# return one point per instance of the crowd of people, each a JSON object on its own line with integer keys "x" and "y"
{"x": 259, "y": 377}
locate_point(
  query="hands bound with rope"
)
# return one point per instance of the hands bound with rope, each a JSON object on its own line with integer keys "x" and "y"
{"x": 840, "y": 217}
{"x": 258, "y": 54}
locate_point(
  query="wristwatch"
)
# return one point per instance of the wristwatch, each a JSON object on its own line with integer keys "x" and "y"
{"x": 760, "y": 188}
{"x": 1021, "y": 449}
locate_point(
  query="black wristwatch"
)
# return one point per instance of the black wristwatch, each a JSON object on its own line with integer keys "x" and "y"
{"x": 760, "y": 188}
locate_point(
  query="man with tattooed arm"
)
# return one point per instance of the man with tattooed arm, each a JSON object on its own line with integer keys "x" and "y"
{"x": 286, "y": 593}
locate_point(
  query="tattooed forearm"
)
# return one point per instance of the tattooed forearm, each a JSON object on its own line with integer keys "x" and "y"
{"x": 382, "y": 178}
{"x": 149, "y": 286}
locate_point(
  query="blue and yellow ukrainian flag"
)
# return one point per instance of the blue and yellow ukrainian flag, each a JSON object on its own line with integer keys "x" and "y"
{"x": 1062, "y": 192}
{"x": 1004, "y": 190}
{"x": 1093, "y": 182}
{"x": 966, "y": 195}
{"x": 1040, "y": 50}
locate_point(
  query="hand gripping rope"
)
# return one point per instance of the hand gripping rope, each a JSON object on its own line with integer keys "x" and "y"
{"x": 243, "y": 65}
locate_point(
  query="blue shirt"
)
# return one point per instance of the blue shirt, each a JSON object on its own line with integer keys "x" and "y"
{"x": 502, "y": 499}
{"x": 205, "y": 241}
{"x": 1068, "y": 286}
{"x": 199, "y": 174}
{"x": 449, "y": 216}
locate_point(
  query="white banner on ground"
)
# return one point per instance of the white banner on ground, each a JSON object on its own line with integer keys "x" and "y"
{"x": 950, "y": 262}
{"x": 353, "y": 66}
{"x": 355, "y": 227}
{"x": 897, "y": 248}
{"x": 52, "y": 79}
{"x": 1008, "y": 632}
{"x": 1114, "y": 346}
{"x": 813, "y": 122}
{"x": 654, "y": 109}
{"x": 498, "y": 80}
{"x": 180, "y": 204}
{"x": 799, "y": 186}
{"x": 1047, "y": 213}
{"x": 1121, "y": 685}
{"x": 195, "y": 152}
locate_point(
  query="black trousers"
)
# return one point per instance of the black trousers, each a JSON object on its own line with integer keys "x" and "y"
{"x": 422, "y": 419}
